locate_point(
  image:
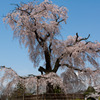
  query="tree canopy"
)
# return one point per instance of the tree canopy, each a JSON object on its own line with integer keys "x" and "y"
{"x": 37, "y": 27}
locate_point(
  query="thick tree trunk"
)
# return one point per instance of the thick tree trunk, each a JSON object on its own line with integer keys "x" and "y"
{"x": 48, "y": 61}
{"x": 48, "y": 67}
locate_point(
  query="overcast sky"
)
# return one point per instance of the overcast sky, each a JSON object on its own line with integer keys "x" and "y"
{"x": 84, "y": 18}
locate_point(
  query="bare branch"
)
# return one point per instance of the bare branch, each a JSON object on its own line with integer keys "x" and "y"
{"x": 78, "y": 40}
{"x": 83, "y": 38}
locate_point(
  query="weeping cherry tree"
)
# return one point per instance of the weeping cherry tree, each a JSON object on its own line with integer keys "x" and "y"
{"x": 37, "y": 27}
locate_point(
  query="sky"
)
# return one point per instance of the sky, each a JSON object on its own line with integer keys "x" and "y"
{"x": 83, "y": 17}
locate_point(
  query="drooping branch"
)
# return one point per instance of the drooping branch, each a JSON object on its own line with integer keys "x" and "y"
{"x": 84, "y": 47}
{"x": 77, "y": 40}
{"x": 76, "y": 69}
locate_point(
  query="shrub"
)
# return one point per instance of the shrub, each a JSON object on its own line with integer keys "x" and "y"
{"x": 89, "y": 90}
{"x": 51, "y": 89}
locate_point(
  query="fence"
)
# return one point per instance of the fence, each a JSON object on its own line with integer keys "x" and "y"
{"x": 53, "y": 97}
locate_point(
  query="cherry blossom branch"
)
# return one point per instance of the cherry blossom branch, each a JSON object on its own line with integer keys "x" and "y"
{"x": 77, "y": 69}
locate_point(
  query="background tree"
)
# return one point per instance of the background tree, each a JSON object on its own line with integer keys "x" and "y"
{"x": 37, "y": 27}
{"x": 72, "y": 82}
